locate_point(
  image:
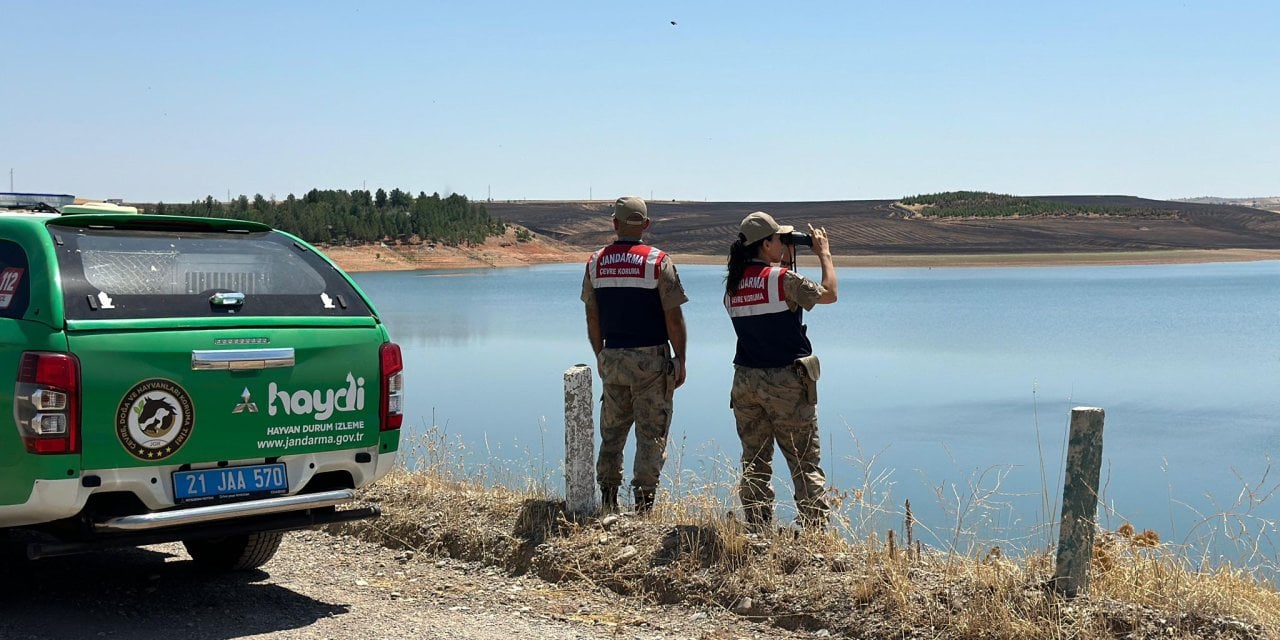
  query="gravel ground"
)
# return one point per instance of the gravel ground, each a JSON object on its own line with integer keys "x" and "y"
{"x": 325, "y": 586}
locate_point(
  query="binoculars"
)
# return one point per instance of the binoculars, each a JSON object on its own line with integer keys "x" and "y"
{"x": 797, "y": 238}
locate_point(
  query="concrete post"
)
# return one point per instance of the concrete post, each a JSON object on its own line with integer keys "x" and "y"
{"x": 1079, "y": 502}
{"x": 579, "y": 443}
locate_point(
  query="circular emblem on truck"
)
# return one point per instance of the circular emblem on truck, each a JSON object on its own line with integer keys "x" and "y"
{"x": 154, "y": 419}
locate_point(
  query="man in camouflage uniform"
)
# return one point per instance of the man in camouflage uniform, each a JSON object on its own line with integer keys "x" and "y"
{"x": 775, "y": 394}
{"x": 633, "y": 295}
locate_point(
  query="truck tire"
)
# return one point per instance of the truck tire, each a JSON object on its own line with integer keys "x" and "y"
{"x": 13, "y": 551}
{"x": 234, "y": 553}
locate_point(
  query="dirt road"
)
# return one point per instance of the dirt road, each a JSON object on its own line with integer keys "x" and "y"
{"x": 321, "y": 586}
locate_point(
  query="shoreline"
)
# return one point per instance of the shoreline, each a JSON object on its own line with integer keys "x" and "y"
{"x": 1101, "y": 258}
{"x": 503, "y": 254}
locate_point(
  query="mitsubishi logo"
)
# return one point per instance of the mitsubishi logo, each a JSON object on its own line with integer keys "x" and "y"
{"x": 245, "y": 405}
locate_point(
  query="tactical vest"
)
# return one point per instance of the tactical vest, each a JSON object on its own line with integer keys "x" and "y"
{"x": 625, "y": 278}
{"x": 770, "y": 334}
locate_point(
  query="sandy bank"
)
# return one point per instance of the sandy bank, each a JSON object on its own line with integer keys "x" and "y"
{"x": 507, "y": 252}
{"x": 502, "y": 251}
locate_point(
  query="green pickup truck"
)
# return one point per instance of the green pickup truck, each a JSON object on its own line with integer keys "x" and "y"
{"x": 212, "y": 381}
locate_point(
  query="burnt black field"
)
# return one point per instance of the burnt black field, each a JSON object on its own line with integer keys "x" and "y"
{"x": 871, "y": 227}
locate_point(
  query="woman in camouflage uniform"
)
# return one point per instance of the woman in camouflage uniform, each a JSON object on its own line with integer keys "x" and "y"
{"x": 774, "y": 396}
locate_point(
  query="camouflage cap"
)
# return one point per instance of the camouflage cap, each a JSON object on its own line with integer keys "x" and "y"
{"x": 760, "y": 225}
{"x": 630, "y": 210}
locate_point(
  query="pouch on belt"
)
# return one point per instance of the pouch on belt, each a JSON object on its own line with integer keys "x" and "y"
{"x": 810, "y": 369}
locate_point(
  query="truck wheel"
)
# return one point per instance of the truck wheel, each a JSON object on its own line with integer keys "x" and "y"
{"x": 13, "y": 551}
{"x": 234, "y": 553}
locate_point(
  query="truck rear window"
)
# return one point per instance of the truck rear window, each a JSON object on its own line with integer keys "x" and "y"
{"x": 110, "y": 273}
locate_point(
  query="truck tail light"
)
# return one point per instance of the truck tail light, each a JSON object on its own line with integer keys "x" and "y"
{"x": 46, "y": 402}
{"x": 390, "y": 413}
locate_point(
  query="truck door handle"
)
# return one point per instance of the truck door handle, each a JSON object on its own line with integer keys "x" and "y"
{"x": 227, "y": 299}
{"x": 242, "y": 359}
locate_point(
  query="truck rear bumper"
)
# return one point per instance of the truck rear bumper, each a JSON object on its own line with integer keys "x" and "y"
{"x": 216, "y": 521}
{"x": 217, "y": 512}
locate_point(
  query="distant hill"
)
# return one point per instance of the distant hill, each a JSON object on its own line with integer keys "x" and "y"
{"x": 1050, "y": 224}
{"x": 1270, "y": 203}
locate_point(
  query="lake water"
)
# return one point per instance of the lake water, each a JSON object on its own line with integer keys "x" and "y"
{"x": 950, "y": 387}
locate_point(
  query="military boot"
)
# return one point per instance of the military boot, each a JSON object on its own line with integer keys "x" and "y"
{"x": 644, "y": 498}
{"x": 608, "y": 499}
{"x": 759, "y": 517}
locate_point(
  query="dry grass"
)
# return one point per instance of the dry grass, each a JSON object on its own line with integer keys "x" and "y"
{"x": 850, "y": 581}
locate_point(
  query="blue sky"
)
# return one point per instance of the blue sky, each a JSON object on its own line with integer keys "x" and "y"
{"x": 753, "y": 101}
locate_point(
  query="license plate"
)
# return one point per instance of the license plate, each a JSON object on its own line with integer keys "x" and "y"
{"x": 230, "y": 482}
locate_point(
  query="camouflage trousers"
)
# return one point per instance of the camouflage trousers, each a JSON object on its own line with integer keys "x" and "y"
{"x": 639, "y": 385}
{"x": 778, "y": 405}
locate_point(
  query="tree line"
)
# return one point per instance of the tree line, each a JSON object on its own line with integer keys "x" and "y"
{"x": 982, "y": 204}
{"x": 357, "y": 216}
